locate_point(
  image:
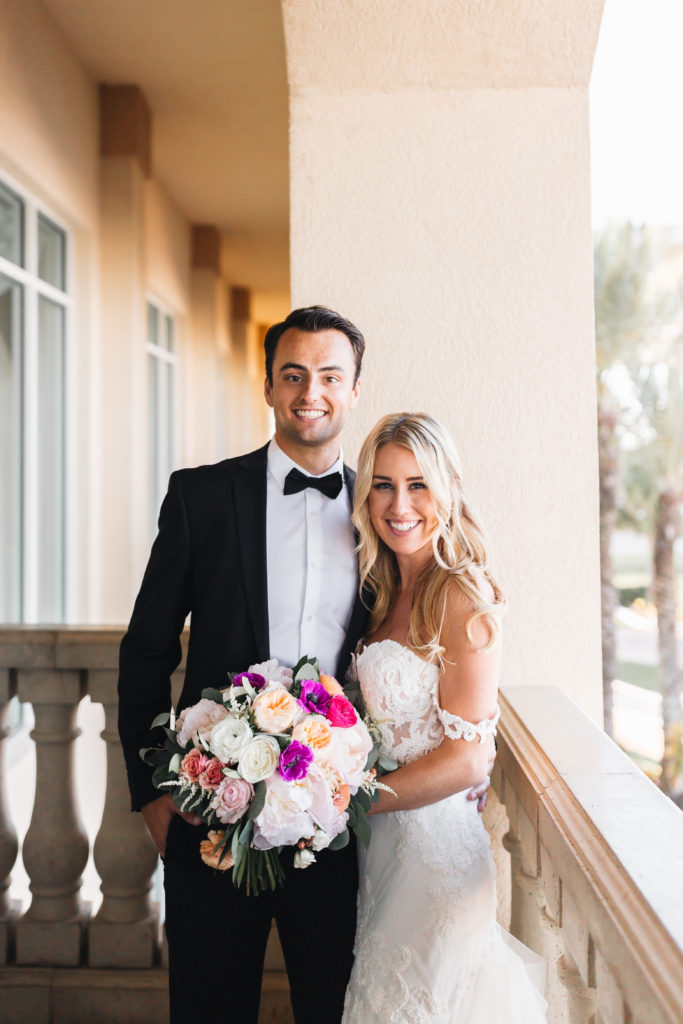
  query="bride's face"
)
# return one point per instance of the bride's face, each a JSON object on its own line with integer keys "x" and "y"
{"x": 400, "y": 505}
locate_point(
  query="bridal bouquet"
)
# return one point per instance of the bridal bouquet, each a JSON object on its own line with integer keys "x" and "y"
{"x": 278, "y": 758}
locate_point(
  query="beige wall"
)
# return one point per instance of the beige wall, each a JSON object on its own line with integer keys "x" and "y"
{"x": 452, "y": 224}
{"x": 49, "y": 147}
{"x": 131, "y": 241}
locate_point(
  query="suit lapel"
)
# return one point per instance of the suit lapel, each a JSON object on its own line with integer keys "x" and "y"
{"x": 359, "y": 613}
{"x": 250, "y": 516}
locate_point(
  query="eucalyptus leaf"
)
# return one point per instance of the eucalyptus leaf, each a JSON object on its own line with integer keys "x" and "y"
{"x": 387, "y": 764}
{"x": 245, "y": 834}
{"x": 363, "y": 832}
{"x": 211, "y": 693}
{"x": 163, "y": 719}
{"x": 309, "y": 670}
{"x": 174, "y": 766}
{"x": 258, "y": 800}
{"x": 340, "y": 841}
{"x": 300, "y": 663}
{"x": 373, "y": 755}
{"x": 159, "y": 775}
{"x": 154, "y": 756}
{"x": 363, "y": 799}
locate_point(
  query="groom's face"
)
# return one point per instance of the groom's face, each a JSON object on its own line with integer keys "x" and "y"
{"x": 313, "y": 387}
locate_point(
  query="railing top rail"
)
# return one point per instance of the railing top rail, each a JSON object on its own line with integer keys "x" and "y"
{"x": 61, "y": 647}
{"x": 620, "y": 838}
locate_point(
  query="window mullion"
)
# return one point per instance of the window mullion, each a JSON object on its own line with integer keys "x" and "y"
{"x": 30, "y": 474}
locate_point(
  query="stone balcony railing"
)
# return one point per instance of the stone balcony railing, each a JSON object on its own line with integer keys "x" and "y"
{"x": 589, "y": 855}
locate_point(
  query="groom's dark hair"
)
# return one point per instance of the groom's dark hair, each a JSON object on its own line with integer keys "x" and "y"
{"x": 312, "y": 319}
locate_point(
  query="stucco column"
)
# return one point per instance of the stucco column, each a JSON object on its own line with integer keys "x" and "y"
{"x": 125, "y": 133}
{"x": 440, "y": 198}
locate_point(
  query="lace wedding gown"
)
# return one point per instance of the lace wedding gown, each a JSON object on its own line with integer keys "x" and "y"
{"x": 428, "y": 948}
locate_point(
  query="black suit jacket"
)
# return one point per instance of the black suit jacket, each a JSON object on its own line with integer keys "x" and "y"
{"x": 209, "y": 558}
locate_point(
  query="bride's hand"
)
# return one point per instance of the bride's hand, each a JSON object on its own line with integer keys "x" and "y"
{"x": 480, "y": 792}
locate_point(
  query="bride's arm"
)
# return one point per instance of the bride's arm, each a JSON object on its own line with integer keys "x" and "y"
{"x": 467, "y": 688}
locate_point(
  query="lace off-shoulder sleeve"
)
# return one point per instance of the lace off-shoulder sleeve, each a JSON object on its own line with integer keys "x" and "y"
{"x": 457, "y": 728}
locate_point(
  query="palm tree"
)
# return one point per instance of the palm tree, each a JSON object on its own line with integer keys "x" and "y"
{"x": 621, "y": 261}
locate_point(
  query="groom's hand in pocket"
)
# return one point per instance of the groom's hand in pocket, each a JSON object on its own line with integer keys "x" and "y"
{"x": 157, "y": 817}
{"x": 480, "y": 792}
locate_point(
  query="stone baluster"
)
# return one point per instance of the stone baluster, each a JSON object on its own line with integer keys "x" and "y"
{"x": 8, "y": 838}
{"x": 125, "y": 931}
{"x": 577, "y": 967}
{"x": 56, "y": 846}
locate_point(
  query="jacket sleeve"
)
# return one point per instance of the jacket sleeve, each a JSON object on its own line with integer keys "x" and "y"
{"x": 150, "y": 650}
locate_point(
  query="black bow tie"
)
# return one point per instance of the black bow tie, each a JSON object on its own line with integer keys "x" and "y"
{"x": 330, "y": 485}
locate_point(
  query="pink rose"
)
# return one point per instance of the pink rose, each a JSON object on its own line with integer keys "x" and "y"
{"x": 212, "y": 776}
{"x": 200, "y": 718}
{"x": 231, "y": 799}
{"x": 341, "y": 713}
{"x": 193, "y": 764}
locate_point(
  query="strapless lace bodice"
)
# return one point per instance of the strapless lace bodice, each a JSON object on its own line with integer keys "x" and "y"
{"x": 401, "y": 692}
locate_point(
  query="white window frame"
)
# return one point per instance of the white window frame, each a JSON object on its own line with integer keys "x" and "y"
{"x": 159, "y": 485}
{"x": 33, "y": 288}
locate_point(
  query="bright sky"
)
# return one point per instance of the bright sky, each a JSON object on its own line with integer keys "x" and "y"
{"x": 637, "y": 113}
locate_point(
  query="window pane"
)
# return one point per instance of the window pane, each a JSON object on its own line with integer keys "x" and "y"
{"x": 11, "y": 226}
{"x": 170, "y": 337}
{"x": 153, "y": 440}
{"x": 51, "y": 461}
{"x": 51, "y": 253}
{"x": 152, "y": 324}
{"x": 10, "y": 451}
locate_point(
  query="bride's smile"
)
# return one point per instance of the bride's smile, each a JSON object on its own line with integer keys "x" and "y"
{"x": 400, "y": 505}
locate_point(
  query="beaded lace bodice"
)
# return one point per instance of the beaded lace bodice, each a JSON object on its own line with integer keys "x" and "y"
{"x": 400, "y": 691}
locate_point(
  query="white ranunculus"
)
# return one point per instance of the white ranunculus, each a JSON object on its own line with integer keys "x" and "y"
{"x": 229, "y": 739}
{"x": 302, "y": 858}
{"x": 259, "y": 758}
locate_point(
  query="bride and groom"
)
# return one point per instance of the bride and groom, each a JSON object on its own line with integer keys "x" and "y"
{"x": 261, "y": 550}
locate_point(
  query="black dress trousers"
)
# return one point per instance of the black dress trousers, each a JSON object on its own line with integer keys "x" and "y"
{"x": 217, "y": 935}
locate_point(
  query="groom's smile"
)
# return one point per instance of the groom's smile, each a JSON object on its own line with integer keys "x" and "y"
{"x": 314, "y": 388}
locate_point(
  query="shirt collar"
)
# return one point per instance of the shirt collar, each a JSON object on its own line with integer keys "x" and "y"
{"x": 280, "y": 464}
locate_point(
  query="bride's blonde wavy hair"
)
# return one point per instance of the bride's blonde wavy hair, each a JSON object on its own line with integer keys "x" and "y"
{"x": 458, "y": 542}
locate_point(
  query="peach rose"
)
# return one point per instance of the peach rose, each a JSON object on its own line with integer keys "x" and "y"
{"x": 275, "y": 710}
{"x": 193, "y": 764}
{"x": 316, "y": 732}
{"x": 212, "y": 775}
{"x": 211, "y": 855}
{"x": 331, "y": 685}
{"x": 341, "y": 798}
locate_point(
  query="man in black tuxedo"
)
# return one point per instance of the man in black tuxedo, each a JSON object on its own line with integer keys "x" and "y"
{"x": 260, "y": 550}
{"x": 220, "y": 529}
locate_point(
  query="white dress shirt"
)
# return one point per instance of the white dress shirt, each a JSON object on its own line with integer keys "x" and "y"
{"x": 312, "y": 568}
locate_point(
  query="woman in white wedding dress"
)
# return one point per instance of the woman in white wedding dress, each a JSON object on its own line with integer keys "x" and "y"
{"x": 428, "y": 948}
